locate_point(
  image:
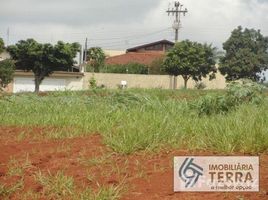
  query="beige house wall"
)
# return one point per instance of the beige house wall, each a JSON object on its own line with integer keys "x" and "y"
{"x": 75, "y": 81}
{"x": 133, "y": 80}
{"x": 149, "y": 81}
{"x": 111, "y": 53}
{"x": 218, "y": 83}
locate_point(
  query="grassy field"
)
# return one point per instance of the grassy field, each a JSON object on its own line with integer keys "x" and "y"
{"x": 134, "y": 120}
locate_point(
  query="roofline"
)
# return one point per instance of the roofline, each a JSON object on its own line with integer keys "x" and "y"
{"x": 149, "y": 44}
{"x": 54, "y": 74}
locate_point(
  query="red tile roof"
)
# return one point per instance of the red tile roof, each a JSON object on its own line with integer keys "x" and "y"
{"x": 143, "y": 58}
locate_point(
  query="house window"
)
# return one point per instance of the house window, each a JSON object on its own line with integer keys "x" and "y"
{"x": 157, "y": 47}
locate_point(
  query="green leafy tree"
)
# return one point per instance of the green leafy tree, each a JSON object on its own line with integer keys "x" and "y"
{"x": 246, "y": 55}
{"x": 2, "y": 45}
{"x": 96, "y": 58}
{"x": 7, "y": 68}
{"x": 191, "y": 60}
{"x": 43, "y": 59}
{"x": 64, "y": 54}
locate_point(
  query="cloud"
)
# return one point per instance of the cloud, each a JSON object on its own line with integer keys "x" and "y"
{"x": 212, "y": 21}
{"x": 120, "y": 24}
{"x": 75, "y": 12}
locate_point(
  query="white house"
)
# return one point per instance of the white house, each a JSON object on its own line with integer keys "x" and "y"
{"x": 4, "y": 55}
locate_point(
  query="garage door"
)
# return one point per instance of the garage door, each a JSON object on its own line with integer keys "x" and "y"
{"x": 27, "y": 84}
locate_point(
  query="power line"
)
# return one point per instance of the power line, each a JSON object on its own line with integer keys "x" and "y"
{"x": 86, "y": 33}
{"x": 131, "y": 36}
{"x": 127, "y": 41}
{"x": 120, "y": 46}
{"x": 141, "y": 31}
{"x": 130, "y": 39}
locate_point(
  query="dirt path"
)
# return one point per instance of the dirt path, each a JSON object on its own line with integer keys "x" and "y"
{"x": 91, "y": 164}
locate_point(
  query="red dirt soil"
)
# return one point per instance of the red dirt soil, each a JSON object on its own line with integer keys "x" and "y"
{"x": 145, "y": 176}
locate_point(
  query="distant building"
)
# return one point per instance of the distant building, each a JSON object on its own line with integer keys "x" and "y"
{"x": 162, "y": 46}
{"x": 111, "y": 53}
{"x": 145, "y": 58}
{"x": 143, "y": 54}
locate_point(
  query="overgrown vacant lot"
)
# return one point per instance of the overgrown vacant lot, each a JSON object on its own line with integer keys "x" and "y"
{"x": 119, "y": 144}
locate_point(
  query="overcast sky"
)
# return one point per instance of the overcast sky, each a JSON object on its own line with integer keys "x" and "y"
{"x": 119, "y": 24}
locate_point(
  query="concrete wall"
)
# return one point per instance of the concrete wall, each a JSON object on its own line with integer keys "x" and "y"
{"x": 148, "y": 81}
{"x": 133, "y": 80}
{"x": 76, "y": 81}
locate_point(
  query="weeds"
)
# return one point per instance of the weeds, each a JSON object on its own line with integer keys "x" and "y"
{"x": 95, "y": 161}
{"x": 104, "y": 193}
{"x": 246, "y": 92}
{"x": 57, "y": 186}
{"x": 7, "y": 191}
{"x": 111, "y": 193}
{"x": 134, "y": 120}
{"x": 16, "y": 168}
{"x": 60, "y": 186}
{"x": 31, "y": 195}
{"x": 93, "y": 83}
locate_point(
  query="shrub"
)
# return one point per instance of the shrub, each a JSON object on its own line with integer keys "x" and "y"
{"x": 200, "y": 85}
{"x": 246, "y": 92}
{"x": 212, "y": 104}
{"x": 265, "y": 84}
{"x": 131, "y": 68}
{"x": 92, "y": 82}
{"x": 156, "y": 67}
{"x": 89, "y": 68}
{"x": 7, "y": 69}
{"x": 118, "y": 69}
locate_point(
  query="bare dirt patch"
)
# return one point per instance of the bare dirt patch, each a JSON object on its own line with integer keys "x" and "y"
{"x": 92, "y": 164}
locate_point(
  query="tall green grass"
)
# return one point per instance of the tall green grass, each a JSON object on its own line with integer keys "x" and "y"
{"x": 134, "y": 120}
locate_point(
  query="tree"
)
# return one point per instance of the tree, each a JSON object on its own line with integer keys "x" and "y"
{"x": 7, "y": 68}
{"x": 246, "y": 55}
{"x": 156, "y": 66}
{"x": 190, "y": 60}
{"x": 2, "y": 45}
{"x": 96, "y": 58}
{"x": 43, "y": 59}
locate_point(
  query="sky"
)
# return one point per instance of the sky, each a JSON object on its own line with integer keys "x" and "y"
{"x": 120, "y": 24}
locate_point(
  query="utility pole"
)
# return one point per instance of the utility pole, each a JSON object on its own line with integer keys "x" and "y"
{"x": 85, "y": 53}
{"x": 8, "y": 33}
{"x": 85, "y": 56}
{"x": 177, "y": 11}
